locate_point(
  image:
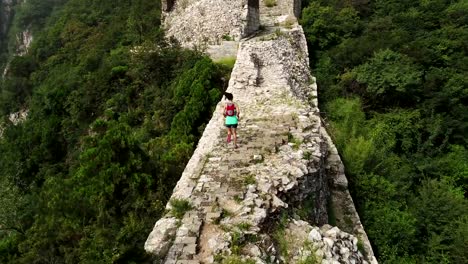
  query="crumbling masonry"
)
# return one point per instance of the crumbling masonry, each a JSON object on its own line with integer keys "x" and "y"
{"x": 286, "y": 159}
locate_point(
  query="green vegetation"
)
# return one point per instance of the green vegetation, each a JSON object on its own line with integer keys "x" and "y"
{"x": 237, "y": 242}
{"x": 180, "y": 207}
{"x": 243, "y": 226}
{"x": 332, "y": 215}
{"x": 270, "y": 3}
{"x": 289, "y": 22}
{"x": 279, "y": 235}
{"x": 393, "y": 83}
{"x": 310, "y": 259}
{"x": 282, "y": 242}
{"x": 295, "y": 141}
{"x": 115, "y": 112}
{"x": 227, "y": 61}
{"x": 227, "y": 37}
{"x": 307, "y": 155}
{"x": 305, "y": 207}
{"x": 237, "y": 260}
{"x": 360, "y": 246}
{"x": 249, "y": 179}
{"x": 29, "y": 15}
{"x": 237, "y": 199}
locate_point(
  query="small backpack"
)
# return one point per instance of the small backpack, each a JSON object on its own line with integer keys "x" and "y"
{"x": 230, "y": 109}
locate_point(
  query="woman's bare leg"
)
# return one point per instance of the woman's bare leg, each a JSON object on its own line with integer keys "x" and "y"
{"x": 234, "y": 132}
{"x": 229, "y": 134}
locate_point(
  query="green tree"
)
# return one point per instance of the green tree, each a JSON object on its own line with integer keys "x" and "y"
{"x": 389, "y": 78}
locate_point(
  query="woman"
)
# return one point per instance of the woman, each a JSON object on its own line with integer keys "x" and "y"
{"x": 231, "y": 113}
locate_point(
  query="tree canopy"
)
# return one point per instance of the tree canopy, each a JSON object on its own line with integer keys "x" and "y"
{"x": 115, "y": 112}
{"x": 392, "y": 81}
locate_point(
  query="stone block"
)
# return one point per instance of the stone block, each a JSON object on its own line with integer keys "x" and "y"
{"x": 159, "y": 240}
{"x": 188, "y": 262}
{"x": 190, "y": 249}
{"x": 185, "y": 241}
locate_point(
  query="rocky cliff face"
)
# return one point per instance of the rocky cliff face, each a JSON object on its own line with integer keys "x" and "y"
{"x": 245, "y": 203}
{"x": 23, "y": 39}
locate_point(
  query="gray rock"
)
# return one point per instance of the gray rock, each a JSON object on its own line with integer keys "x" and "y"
{"x": 160, "y": 239}
{"x": 315, "y": 235}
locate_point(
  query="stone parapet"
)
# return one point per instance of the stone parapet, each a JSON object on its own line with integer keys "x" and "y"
{"x": 200, "y": 23}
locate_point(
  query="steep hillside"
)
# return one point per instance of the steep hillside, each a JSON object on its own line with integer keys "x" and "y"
{"x": 114, "y": 114}
{"x": 393, "y": 81}
{"x": 6, "y": 14}
{"x": 19, "y": 21}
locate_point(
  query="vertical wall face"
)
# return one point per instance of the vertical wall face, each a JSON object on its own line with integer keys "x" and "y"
{"x": 297, "y": 8}
{"x": 253, "y": 17}
{"x": 167, "y": 5}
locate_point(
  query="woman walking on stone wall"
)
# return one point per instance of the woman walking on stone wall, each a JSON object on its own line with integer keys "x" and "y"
{"x": 231, "y": 114}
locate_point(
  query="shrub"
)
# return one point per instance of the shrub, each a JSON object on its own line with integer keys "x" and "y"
{"x": 180, "y": 207}
{"x": 270, "y": 3}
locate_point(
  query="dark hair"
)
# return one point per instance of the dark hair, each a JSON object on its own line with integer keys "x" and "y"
{"x": 229, "y": 96}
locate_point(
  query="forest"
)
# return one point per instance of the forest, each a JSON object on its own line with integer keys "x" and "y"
{"x": 115, "y": 111}
{"x": 393, "y": 88}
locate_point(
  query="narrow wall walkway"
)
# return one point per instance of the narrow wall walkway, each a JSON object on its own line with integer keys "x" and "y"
{"x": 281, "y": 160}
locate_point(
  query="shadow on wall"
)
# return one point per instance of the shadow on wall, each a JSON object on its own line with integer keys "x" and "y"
{"x": 167, "y": 5}
{"x": 254, "y": 3}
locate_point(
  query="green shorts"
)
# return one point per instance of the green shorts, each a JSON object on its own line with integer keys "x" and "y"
{"x": 231, "y": 121}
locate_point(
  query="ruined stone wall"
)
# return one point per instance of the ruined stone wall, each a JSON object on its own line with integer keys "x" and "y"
{"x": 199, "y": 23}
{"x": 252, "y": 18}
{"x": 291, "y": 7}
{"x": 167, "y": 5}
{"x": 285, "y": 158}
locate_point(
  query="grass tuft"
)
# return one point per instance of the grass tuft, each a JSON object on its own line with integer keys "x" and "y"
{"x": 180, "y": 207}
{"x": 227, "y": 61}
{"x": 270, "y": 3}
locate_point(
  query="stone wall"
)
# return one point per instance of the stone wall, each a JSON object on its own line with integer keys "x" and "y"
{"x": 327, "y": 244}
{"x": 285, "y": 158}
{"x": 199, "y": 23}
{"x": 167, "y": 5}
{"x": 290, "y": 7}
{"x": 252, "y": 18}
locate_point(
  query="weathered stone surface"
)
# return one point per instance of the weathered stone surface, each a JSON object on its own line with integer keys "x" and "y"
{"x": 329, "y": 245}
{"x": 23, "y": 41}
{"x": 204, "y": 22}
{"x": 160, "y": 239}
{"x": 284, "y": 157}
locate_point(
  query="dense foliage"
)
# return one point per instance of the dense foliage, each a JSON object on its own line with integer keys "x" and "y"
{"x": 24, "y": 15}
{"x": 114, "y": 114}
{"x": 393, "y": 80}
